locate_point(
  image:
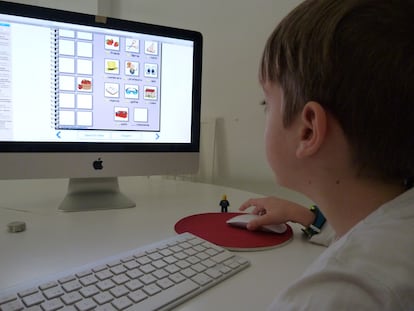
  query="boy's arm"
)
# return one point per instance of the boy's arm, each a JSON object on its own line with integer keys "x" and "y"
{"x": 275, "y": 211}
{"x": 307, "y": 218}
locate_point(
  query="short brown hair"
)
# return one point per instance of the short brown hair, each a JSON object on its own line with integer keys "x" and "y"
{"x": 354, "y": 57}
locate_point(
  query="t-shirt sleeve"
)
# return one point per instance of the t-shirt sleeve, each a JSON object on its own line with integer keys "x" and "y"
{"x": 325, "y": 237}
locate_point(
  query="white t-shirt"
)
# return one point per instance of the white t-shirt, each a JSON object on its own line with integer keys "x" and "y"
{"x": 326, "y": 237}
{"x": 369, "y": 268}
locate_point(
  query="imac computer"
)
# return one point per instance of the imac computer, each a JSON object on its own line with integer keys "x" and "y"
{"x": 92, "y": 98}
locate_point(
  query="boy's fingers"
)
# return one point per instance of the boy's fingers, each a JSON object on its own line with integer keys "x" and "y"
{"x": 247, "y": 204}
{"x": 252, "y": 225}
{"x": 256, "y": 223}
{"x": 244, "y": 206}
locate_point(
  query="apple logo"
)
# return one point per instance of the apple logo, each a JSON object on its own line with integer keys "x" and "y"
{"x": 97, "y": 164}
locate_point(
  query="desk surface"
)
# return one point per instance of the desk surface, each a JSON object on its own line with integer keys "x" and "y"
{"x": 55, "y": 241}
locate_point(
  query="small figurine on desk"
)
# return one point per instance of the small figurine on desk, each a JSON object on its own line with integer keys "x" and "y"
{"x": 224, "y": 203}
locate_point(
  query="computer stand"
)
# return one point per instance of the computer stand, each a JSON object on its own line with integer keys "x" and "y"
{"x": 86, "y": 194}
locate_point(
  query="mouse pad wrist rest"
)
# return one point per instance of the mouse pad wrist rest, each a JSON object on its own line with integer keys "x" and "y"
{"x": 213, "y": 227}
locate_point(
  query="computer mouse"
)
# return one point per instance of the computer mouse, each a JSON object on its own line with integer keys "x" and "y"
{"x": 242, "y": 220}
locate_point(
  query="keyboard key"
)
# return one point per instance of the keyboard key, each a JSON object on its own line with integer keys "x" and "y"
{"x": 88, "y": 280}
{"x": 131, "y": 264}
{"x": 53, "y": 292}
{"x": 85, "y": 305}
{"x": 200, "y": 248}
{"x": 193, "y": 260}
{"x": 122, "y": 303}
{"x": 106, "y": 307}
{"x": 147, "y": 279}
{"x": 83, "y": 273}
{"x": 35, "y": 308}
{"x": 143, "y": 260}
{"x": 199, "y": 267}
{"x": 188, "y": 272}
{"x": 165, "y": 283}
{"x": 104, "y": 274}
{"x": 190, "y": 252}
{"x": 114, "y": 263}
{"x": 120, "y": 279}
{"x": 28, "y": 292}
{"x": 119, "y": 291}
{"x": 99, "y": 268}
{"x": 168, "y": 296}
{"x": 12, "y": 306}
{"x": 52, "y": 305}
{"x": 158, "y": 264}
{"x": 151, "y": 289}
{"x": 172, "y": 268}
{"x": 222, "y": 256}
{"x": 32, "y": 300}
{"x": 103, "y": 298}
{"x": 160, "y": 274}
{"x": 7, "y": 298}
{"x": 201, "y": 279}
{"x": 170, "y": 259}
{"x": 126, "y": 259}
{"x": 176, "y": 249}
{"x": 72, "y": 286}
{"x": 71, "y": 298}
{"x": 134, "y": 285}
{"x": 183, "y": 264}
{"x": 166, "y": 252}
{"x": 155, "y": 256}
{"x": 66, "y": 279}
{"x": 214, "y": 273}
{"x": 177, "y": 277}
{"x": 118, "y": 269}
{"x": 209, "y": 263}
{"x": 89, "y": 291}
{"x": 134, "y": 273}
{"x": 105, "y": 285}
{"x": 137, "y": 296}
{"x": 180, "y": 255}
{"x": 147, "y": 268}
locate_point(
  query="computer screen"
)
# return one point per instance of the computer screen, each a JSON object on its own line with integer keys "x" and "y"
{"x": 92, "y": 98}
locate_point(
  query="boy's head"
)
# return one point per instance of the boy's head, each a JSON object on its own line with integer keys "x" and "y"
{"x": 355, "y": 58}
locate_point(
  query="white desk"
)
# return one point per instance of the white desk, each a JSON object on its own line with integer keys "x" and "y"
{"x": 56, "y": 241}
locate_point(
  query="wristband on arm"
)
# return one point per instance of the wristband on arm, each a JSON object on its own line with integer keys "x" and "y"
{"x": 317, "y": 224}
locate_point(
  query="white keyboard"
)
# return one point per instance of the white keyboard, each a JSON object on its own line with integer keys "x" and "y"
{"x": 155, "y": 277}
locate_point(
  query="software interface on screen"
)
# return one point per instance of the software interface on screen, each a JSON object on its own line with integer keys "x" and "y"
{"x": 64, "y": 82}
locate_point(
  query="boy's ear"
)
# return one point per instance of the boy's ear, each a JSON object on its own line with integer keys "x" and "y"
{"x": 312, "y": 131}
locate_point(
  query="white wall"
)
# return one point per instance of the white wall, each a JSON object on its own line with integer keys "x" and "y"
{"x": 234, "y": 33}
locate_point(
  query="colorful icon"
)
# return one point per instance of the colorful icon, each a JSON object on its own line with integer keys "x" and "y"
{"x": 85, "y": 84}
{"x": 131, "y": 68}
{"x": 131, "y": 91}
{"x": 151, "y": 70}
{"x": 112, "y": 43}
{"x": 150, "y": 92}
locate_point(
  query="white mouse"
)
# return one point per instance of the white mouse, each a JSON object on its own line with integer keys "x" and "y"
{"x": 242, "y": 220}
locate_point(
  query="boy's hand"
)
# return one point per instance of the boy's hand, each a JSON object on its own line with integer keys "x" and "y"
{"x": 274, "y": 210}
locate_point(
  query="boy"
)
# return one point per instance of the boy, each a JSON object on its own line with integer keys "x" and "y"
{"x": 338, "y": 79}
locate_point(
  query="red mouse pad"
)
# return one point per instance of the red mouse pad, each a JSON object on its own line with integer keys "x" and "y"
{"x": 213, "y": 227}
